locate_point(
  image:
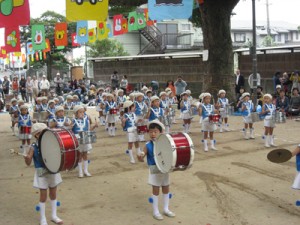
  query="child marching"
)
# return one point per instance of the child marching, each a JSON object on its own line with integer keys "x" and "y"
{"x": 155, "y": 112}
{"x": 24, "y": 124}
{"x": 60, "y": 120}
{"x": 164, "y": 105}
{"x": 111, "y": 113}
{"x": 269, "y": 110}
{"x": 247, "y": 109}
{"x": 185, "y": 109}
{"x": 141, "y": 110}
{"x": 222, "y": 104}
{"x": 14, "y": 114}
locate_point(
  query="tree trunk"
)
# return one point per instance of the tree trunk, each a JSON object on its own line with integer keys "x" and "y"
{"x": 215, "y": 22}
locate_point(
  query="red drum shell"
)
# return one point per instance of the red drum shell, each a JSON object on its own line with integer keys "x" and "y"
{"x": 113, "y": 111}
{"x": 25, "y": 130}
{"x": 183, "y": 150}
{"x": 142, "y": 129}
{"x": 65, "y": 147}
{"x": 214, "y": 118}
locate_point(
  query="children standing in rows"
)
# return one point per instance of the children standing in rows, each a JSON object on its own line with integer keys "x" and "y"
{"x": 51, "y": 111}
{"x": 164, "y": 105}
{"x": 173, "y": 103}
{"x": 269, "y": 111}
{"x": 24, "y": 124}
{"x": 222, "y": 104}
{"x": 208, "y": 127}
{"x": 141, "y": 110}
{"x": 99, "y": 107}
{"x": 185, "y": 109}
{"x": 38, "y": 105}
{"x": 110, "y": 109}
{"x": 60, "y": 120}
{"x": 14, "y": 114}
{"x": 247, "y": 109}
{"x": 129, "y": 121}
{"x": 44, "y": 105}
{"x": 43, "y": 180}
{"x": 156, "y": 178}
{"x": 81, "y": 124}
{"x": 155, "y": 112}
{"x": 69, "y": 105}
{"x": 147, "y": 98}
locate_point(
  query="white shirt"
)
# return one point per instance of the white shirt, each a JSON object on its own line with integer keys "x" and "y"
{"x": 237, "y": 79}
{"x": 44, "y": 84}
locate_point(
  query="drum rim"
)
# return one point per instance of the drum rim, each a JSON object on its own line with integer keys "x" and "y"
{"x": 162, "y": 170}
{"x": 192, "y": 151}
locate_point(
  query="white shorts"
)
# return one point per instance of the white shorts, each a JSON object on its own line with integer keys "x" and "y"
{"x": 46, "y": 181}
{"x": 207, "y": 126}
{"x": 223, "y": 114}
{"x": 296, "y": 184}
{"x": 111, "y": 118}
{"x": 268, "y": 122}
{"x": 85, "y": 147}
{"x": 186, "y": 116}
{"x": 132, "y": 136}
{"x": 158, "y": 180}
{"x": 247, "y": 119}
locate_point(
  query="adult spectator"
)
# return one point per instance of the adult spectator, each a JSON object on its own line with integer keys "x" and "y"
{"x": 295, "y": 79}
{"x": 282, "y": 102}
{"x": 22, "y": 87}
{"x": 294, "y": 108}
{"x": 29, "y": 89}
{"x": 35, "y": 87}
{"x": 277, "y": 91}
{"x": 285, "y": 83}
{"x": 1, "y": 89}
{"x": 180, "y": 86}
{"x": 5, "y": 85}
{"x": 239, "y": 82}
{"x": 276, "y": 80}
{"x": 170, "y": 84}
{"x": 59, "y": 84}
{"x": 114, "y": 80}
{"x": 44, "y": 85}
{"x": 15, "y": 87}
{"x": 124, "y": 84}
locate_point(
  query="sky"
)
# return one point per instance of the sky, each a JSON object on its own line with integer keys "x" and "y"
{"x": 280, "y": 10}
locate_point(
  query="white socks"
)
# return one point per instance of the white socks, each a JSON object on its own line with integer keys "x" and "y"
{"x": 113, "y": 131}
{"x": 86, "y": 166}
{"x": 186, "y": 128}
{"x": 272, "y": 141}
{"x": 131, "y": 156}
{"x": 212, "y": 145}
{"x": 252, "y": 133}
{"x": 166, "y": 200}
{"x": 155, "y": 205}
{"x": 80, "y": 172}
{"x": 138, "y": 151}
{"x": 43, "y": 220}
{"x": 245, "y": 133}
{"x": 54, "y": 208}
{"x": 267, "y": 141}
{"x": 205, "y": 145}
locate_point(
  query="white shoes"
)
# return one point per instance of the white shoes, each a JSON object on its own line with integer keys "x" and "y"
{"x": 158, "y": 217}
{"x": 169, "y": 213}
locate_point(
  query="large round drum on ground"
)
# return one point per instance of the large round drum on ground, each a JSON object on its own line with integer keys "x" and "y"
{"x": 173, "y": 151}
{"x": 59, "y": 149}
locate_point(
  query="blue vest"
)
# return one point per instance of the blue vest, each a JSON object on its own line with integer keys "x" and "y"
{"x": 249, "y": 108}
{"x": 24, "y": 120}
{"x": 270, "y": 107}
{"x": 150, "y": 153}
{"x": 109, "y": 105}
{"x": 207, "y": 110}
{"x": 130, "y": 120}
{"x": 223, "y": 102}
{"x": 186, "y": 106}
{"x": 298, "y": 162}
{"x": 38, "y": 108}
{"x": 139, "y": 108}
{"x": 51, "y": 113}
{"x": 164, "y": 104}
{"x": 80, "y": 125}
{"x": 155, "y": 113}
{"x": 37, "y": 158}
{"x": 60, "y": 121}
{"x": 121, "y": 99}
{"x": 69, "y": 105}
{"x": 44, "y": 107}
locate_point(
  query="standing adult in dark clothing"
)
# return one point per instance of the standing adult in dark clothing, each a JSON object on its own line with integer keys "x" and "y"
{"x": 22, "y": 87}
{"x": 180, "y": 86}
{"x": 114, "y": 80}
{"x": 5, "y": 85}
{"x": 276, "y": 80}
{"x": 239, "y": 82}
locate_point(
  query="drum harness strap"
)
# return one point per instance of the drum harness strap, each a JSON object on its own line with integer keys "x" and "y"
{"x": 206, "y": 109}
{"x": 131, "y": 117}
{"x": 156, "y": 113}
{"x": 271, "y": 108}
{"x": 60, "y": 123}
{"x": 23, "y": 118}
{"x": 80, "y": 125}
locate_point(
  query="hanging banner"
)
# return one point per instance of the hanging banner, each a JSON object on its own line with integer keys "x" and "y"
{"x": 38, "y": 37}
{"x": 82, "y": 32}
{"x": 61, "y": 34}
{"x": 141, "y": 21}
{"x": 102, "y": 30}
{"x": 12, "y": 39}
{"x": 3, "y": 53}
{"x": 92, "y": 35}
{"x": 170, "y": 9}
{"x": 86, "y": 10}
{"x": 29, "y": 48}
{"x": 132, "y": 21}
{"x": 124, "y": 26}
{"x": 14, "y": 13}
{"x": 74, "y": 40}
{"x": 48, "y": 46}
{"x": 117, "y": 25}
{"x": 109, "y": 30}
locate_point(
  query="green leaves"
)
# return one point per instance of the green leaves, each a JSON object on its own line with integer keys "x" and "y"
{"x": 106, "y": 48}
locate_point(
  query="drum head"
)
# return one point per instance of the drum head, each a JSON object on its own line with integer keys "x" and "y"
{"x": 279, "y": 155}
{"x": 50, "y": 151}
{"x": 163, "y": 153}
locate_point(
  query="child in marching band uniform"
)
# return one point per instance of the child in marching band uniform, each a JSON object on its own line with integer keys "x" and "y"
{"x": 129, "y": 121}
{"x": 147, "y": 98}
{"x": 60, "y": 120}
{"x": 141, "y": 110}
{"x": 247, "y": 109}
{"x": 110, "y": 118}
{"x": 38, "y": 105}
{"x": 121, "y": 98}
{"x": 208, "y": 128}
{"x": 164, "y": 105}
{"x": 81, "y": 124}
{"x": 51, "y": 111}
{"x": 99, "y": 106}
{"x": 14, "y": 114}
{"x": 200, "y": 106}
{"x": 221, "y": 104}
{"x": 185, "y": 109}
{"x": 172, "y": 101}
{"x": 155, "y": 112}
{"x": 43, "y": 180}
{"x": 269, "y": 110}
{"x": 24, "y": 124}
{"x": 132, "y": 96}
{"x": 296, "y": 152}
{"x": 44, "y": 105}
{"x": 76, "y": 100}
{"x": 190, "y": 97}
{"x": 69, "y": 105}
{"x": 156, "y": 178}
{"x": 56, "y": 102}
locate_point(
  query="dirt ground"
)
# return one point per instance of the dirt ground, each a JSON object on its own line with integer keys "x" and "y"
{"x": 235, "y": 185}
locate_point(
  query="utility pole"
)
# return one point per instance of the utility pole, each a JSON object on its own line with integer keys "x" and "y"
{"x": 254, "y": 56}
{"x": 268, "y": 18}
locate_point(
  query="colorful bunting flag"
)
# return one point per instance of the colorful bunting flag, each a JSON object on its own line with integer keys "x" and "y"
{"x": 61, "y": 34}
{"x": 117, "y": 26}
{"x": 3, "y": 53}
{"x": 109, "y": 30}
{"x": 12, "y": 39}
{"x": 48, "y": 46}
{"x": 38, "y": 37}
{"x": 86, "y": 10}
{"x": 14, "y": 13}
{"x": 92, "y": 35}
{"x": 132, "y": 21}
{"x": 74, "y": 40}
{"x": 124, "y": 26}
{"x": 102, "y": 30}
{"x": 82, "y": 32}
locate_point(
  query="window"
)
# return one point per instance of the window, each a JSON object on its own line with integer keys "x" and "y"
{"x": 186, "y": 26}
{"x": 239, "y": 37}
{"x": 279, "y": 38}
{"x": 286, "y": 37}
{"x": 297, "y": 35}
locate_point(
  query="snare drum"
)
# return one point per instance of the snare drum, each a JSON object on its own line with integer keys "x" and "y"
{"x": 215, "y": 118}
{"x": 44, "y": 116}
{"x": 113, "y": 111}
{"x": 36, "y": 116}
{"x": 172, "y": 112}
{"x": 165, "y": 120}
{"x": 173, "y": 151}
{"x": 142, "y": 129}
{"x": 229, "y": 110}
{"x": 24, "y": 133}
{"x": 59, "y": 149}
{"x": 87, "y": 137}
{"x": 280, "y": 117}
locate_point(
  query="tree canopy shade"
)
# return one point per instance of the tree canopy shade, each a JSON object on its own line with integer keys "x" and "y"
{"x": 106, "y": 48}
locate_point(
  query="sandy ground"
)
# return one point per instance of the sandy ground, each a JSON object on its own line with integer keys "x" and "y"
{"x": 235, "y": 185}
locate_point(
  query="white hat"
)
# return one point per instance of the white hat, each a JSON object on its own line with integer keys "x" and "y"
{"x": 144, "y": 88}
{"x": 44, "y": 75}
{"x": 153, "y": 98}
{"x": 169, "y": 92}
{"x": 268, "y": 96}
{"x": 100, "y": 89}
{"x": 109, "y": 95}
{"x": 44, "y": 98}
{"x": 188, "y": 92}
{"x": 222, "y": 92}
{"x": 206, "y": 95}
{"x": 39, "y": 98}
{"x": 156, "y": 121}
{"x": 24, "y": 107}
{"x": 59, "y": 108}
{"x": 13, "y": 100}
{"x": 104, "y": 94}
{"x": 69, "y": 97}
{"x": 78, "y": 107}
{"x": 245, "y": 94}
{"x": 278, "y": 86}
{"x": 37, "y": 128}
{"x": 183, "y": 93}
{"x": 20, "y": 101}
{"x": 162, "y": 93}
{"x": 201, "y": 95}
{"x": 120, "y": 91}
{"x": 168, "y": 89}
{"x": 55, "y": 99}
{"x": 138, "y": 94}
{"x": 132, "y": 95}
{"x": 127, "y": 104}
{"x": 58, "y": 74}
{"x": 51, "y": 101}
{"x": 75, "y": 96}
{"x": 148, "y": 91}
